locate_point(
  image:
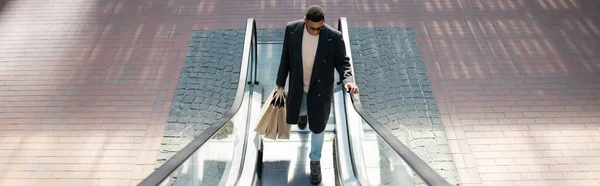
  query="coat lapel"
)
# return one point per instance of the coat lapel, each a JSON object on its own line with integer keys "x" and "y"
{"x": 298, "y": 32}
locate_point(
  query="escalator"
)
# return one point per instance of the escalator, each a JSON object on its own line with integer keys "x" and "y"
{"x": 357, "y": 149}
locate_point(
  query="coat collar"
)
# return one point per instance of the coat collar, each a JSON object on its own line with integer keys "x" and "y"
{"x": 298, "y": 32}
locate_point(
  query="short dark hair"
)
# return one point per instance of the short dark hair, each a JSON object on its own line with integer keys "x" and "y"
{"x": 315, "y": 13}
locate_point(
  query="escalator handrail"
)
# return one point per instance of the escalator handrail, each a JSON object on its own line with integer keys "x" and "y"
{"x": 171, "y": 165}
{"x": 356, "y": 139}
{"x": 430, "y": 176}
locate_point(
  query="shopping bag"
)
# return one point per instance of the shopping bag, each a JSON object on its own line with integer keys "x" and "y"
{"x": 270, "y": 113}
{"x": 283, "y": 129}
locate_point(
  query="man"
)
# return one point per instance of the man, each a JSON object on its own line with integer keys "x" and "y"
{"x": 311, "y": 52}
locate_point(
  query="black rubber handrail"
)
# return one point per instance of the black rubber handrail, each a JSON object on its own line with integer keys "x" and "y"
{"x": 417, "y": 164}
{"x": 171, "y": 165}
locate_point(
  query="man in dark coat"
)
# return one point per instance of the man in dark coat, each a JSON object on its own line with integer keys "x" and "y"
{"x": 311, "y": 52}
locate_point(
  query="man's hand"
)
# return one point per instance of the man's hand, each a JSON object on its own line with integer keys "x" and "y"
{"x": 279, "y": 88}
{"x": 351, "y": 87}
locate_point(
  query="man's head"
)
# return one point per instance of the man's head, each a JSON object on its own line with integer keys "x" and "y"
{"x": 314, "y": 19}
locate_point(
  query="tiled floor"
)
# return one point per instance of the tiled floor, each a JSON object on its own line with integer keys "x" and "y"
{"x": 85, "y": 86}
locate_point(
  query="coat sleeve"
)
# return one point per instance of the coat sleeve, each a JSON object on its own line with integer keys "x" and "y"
{"x": 342, "y": 61}
{"x": 284, "y": 64}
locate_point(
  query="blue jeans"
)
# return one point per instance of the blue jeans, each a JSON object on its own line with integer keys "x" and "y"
{"x": 316, "y": 140}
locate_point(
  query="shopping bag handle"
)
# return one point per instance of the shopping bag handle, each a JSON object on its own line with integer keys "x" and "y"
{"x": 278, "y": 99}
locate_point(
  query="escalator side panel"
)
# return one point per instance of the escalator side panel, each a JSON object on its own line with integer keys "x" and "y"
{"x": 253, "y": 152}
{"x": 344, "y": 162}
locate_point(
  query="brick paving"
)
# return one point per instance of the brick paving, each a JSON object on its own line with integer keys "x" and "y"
{"x": 86, "y": 86}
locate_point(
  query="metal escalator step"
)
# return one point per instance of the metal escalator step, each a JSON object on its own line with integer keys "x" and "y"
{"x": 286, "y": 162}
